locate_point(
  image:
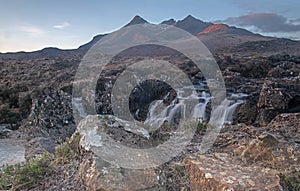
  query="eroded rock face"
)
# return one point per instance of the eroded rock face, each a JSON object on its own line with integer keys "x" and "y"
{"x": 287, "y": 125}
{"x": 51, "y": 115}
{"x": 219, "y": 171}
{"x": 273, "y": 100}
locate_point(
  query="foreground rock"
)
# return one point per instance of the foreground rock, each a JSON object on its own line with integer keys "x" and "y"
{"x": 242, "y": 158}
{"x": 219, "y": 171}
{"x": 98, "y": 174}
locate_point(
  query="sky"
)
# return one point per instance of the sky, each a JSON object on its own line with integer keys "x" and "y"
{"x": 28, "y": 25}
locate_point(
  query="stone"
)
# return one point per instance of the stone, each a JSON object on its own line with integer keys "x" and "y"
{"x": 287, "y": 125}
{"x": 100, "y": 174}
{"x": 273, "y": 100}
{"x": 211, "y": 173}
{"x": 5, "y": 130}
{"x": 38, "y": 146}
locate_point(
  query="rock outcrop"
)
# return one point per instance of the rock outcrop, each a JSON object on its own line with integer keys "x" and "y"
{"x": 219, "y": 171}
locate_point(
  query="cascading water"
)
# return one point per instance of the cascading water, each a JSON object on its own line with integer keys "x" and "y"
{"x": 159, "y": 113}
{"x": 223, "y": 114}
{"x": 200, "y": 109}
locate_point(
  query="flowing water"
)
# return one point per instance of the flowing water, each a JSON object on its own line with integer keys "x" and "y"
{"x": 159, "y": 112}
{"x": 11, "y": 151}
{"x": 223, "y": 114}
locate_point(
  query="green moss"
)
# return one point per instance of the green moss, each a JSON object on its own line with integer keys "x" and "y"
{"x": 291, "y": 181}
{"x": 202, "y": 126}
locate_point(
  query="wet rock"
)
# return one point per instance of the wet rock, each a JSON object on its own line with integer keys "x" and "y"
{"x": 219, "y": 171}
{"x": 247, "y": 112}
{"x": 5, "y": 130}
{"x": 148, "y": 91}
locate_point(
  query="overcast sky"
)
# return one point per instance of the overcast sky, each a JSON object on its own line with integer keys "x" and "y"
{"x": 27, "y": 25}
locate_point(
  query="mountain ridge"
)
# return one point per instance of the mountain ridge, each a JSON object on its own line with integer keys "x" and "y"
{"x": 214, "y": 36}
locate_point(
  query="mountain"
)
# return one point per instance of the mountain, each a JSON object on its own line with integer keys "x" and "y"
{"x": 223, "y": 28}
{"x": 169, "y": 22}
{"x": 44, "y": 53}
{"x": 220, "y": 36}
{"x": 215, "y": 36}
{"x": 136, "y": 20}
{"x": 91, "y": 43}
{"x": 189, "y": 24}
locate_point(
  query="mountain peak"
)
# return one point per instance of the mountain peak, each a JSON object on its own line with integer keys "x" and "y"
{"x": 136, "y": 20}
{"x": 192, "y": 25}
{"x": 190, "y": 17}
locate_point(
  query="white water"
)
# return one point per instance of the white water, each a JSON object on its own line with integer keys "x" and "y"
{"x": 223, "y": 114}
{"x": 160, "y": 113}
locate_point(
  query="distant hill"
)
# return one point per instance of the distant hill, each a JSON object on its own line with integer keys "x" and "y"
{"x": 44, "y": 53}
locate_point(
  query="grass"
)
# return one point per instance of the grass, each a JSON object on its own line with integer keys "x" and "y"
{"x": 25, "y": 175}
{"x": 28, "y": 175}
{"x": 67, "y": 151}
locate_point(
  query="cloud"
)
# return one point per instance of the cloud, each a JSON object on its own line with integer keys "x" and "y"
{"x": 295, "y": 21}
{"x": 62, "y": 25}
{"x": 265, "y": 22}
{"x": 32, "y": 30}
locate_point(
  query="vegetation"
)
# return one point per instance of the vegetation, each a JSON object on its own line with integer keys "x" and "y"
{"x": 28, "y": 175}
{"x": 291, "y": 182}
{"x": 67, "y": 151}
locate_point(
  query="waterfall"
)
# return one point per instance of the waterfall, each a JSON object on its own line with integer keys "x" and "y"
{"x": 199, "y": 109}
{"x": 159, "y": 112}
{"x": 223, "y": 114}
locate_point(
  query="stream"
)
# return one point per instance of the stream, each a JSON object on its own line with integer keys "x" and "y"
{"x": 12, "y": 151}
